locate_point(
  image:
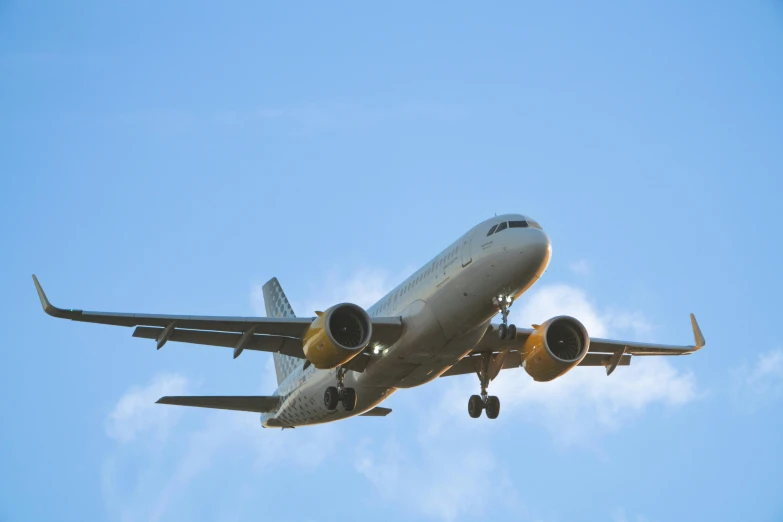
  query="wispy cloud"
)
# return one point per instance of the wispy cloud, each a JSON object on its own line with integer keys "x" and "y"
{"x": 618, "y": 515}
{"x": 299, "y": 120}
{"x": 580, "y": 267}
{"x": 147, "y": 477}
{"x": 561, "y": 299}
{"x": 136, "y": 411}
{"x": 363, "y": 287}
{"x": 759, "y": 383}
{"x": 447, "y": 481}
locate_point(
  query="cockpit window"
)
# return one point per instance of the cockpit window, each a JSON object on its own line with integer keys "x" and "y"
{"x": 533, "y": 224}
{"x": 492, "y": 230}
{"x": 502, "y": 226}
{"x": 517, "y": 224}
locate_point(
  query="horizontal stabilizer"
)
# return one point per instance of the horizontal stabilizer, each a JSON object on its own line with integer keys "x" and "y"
{"x": 376, "y": 412}
{"x": 254, "y": 403}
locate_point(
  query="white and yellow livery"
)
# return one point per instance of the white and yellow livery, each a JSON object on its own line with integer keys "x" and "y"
{"x": 345, "y": 361}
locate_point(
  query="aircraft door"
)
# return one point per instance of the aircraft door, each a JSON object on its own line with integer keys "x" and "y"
{"x": 466, "y": 255}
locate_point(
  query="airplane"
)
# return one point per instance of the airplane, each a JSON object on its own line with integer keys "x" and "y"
{"x": 345, "y": 360}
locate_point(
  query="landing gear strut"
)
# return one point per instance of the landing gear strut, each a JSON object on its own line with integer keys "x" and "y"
{"x": 340, "y": 394}
{"x": 505, "y": 330}
{"x": 489, "y": 367}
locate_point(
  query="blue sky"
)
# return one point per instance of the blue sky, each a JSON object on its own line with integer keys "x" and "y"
{"x": 171, "y": 157}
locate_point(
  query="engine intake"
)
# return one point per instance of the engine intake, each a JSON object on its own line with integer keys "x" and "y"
{"x": 337, "y": 336}
{"x": 554, "y": 348}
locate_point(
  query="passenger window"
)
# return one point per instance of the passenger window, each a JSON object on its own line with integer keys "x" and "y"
{"x": 502, "y": 226}
{"x": 517, "y": 224}
{"x": 492, "y": 230}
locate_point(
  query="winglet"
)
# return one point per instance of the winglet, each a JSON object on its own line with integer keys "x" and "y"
{"x": 48, "y": 307}
{"x": 697, "y": 335}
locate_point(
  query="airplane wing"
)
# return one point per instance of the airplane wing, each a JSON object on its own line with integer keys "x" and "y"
{"x": 602, "y": 352}
{"x": 266, "y": 334}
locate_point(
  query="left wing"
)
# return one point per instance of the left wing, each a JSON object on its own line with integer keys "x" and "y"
{"x": 266, "y": 334}
{"x": 602, "y": 352}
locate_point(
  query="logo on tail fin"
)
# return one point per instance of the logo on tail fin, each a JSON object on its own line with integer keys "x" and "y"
{"x": 277, "y": 305}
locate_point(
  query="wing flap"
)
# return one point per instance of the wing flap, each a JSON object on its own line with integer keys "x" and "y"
{"x": 256, "y": 404}
{"x": 604, "y": 359}
{"x": 611, "y": 346}
{"x": 262, "y": 343}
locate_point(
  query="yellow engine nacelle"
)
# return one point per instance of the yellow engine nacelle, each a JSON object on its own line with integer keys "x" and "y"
{"x": 554, "y": 348}
{"x": 337, "y": 336}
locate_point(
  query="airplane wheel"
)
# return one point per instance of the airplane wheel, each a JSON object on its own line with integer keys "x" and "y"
{"x": 512, "y": 331}
{"x": 493, "y": 407}
{"x": 349, "y": 399}
{"x": 502, "y": 331}
{"x": 331, "y": 398}
{"x": 475, "y": 405}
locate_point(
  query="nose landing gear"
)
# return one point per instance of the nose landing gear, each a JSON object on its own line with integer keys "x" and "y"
{"x": 505, "y": 330}
{"x": 488, "y": 368}
{"x": 340, "y": 394}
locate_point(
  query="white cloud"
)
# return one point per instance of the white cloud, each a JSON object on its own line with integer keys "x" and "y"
{"x": 618, "y": 515}
{"x": 760, "y": 383}
{"x": 585, "y": 402}
{"x": 444, "y": 481}
{"x": 580, "y": 267}
{"x": 364, "y": 287}
{"x": 560, "y": 299}
{"x": 136, "y": 411}
{"x": 153, "y": 482}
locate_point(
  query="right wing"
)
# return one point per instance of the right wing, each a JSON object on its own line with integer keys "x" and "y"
{"x": 609, "y": 353}
{"x": 265, "y": 334}
{"x": 491, "y": 343}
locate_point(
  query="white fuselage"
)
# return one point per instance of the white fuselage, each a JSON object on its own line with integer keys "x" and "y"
{"x": 445, "y": 307}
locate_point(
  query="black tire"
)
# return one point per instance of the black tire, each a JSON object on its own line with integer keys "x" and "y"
{"x": 331, "y": 398}
{"x": 502, "y": 331}
{"x": 512, "y": 331}
{"x": 475, "y": 405}
{"x": 349, "y": 399}
{"x": 493, "y": 407}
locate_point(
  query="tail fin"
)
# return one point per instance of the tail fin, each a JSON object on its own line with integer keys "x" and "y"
{"x": 277, "y": 305}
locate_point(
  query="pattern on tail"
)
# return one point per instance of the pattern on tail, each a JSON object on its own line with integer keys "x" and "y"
{"x": 277, "y": 305}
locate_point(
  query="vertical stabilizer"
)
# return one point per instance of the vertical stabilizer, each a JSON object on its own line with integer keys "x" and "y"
{"x": 277, "y": 305}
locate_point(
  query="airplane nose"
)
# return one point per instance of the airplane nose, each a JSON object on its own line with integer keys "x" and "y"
{"x": 538, "y": 248}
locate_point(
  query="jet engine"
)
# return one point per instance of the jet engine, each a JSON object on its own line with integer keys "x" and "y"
{"x": 337, "y": 336}
{"x": 554, "y": 348}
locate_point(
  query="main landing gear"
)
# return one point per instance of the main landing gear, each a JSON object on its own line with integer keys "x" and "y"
{"x": 340, "y": 394}
{"x": 505, "y": 330}
{"x": 489, "y": 367}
